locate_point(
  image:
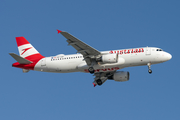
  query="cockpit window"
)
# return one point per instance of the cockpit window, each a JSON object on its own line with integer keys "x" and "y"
{"x": 159, "y": 50}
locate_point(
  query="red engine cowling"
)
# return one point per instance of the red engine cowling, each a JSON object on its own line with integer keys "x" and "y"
{"x": 120, "y": 76}
{"x": 108, "y": 58}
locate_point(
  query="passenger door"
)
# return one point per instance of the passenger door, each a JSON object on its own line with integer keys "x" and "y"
{"x": 148, "y": 51}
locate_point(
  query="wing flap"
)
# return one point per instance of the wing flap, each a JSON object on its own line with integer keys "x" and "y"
{"x": 20, "y": 59}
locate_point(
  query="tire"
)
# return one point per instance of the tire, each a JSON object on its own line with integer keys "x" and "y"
{"x": 99, "y": 82}
{"x": 150, "y": 71}
{"x": 91, "y": 70}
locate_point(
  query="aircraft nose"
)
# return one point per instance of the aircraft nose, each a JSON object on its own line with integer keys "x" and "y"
{"x": 168, "y": 56}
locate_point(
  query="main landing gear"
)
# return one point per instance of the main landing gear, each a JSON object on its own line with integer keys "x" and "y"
{"x": 149, "y": 68}
{"x": 91, "y": 70}
{"x": 99, "y": 82}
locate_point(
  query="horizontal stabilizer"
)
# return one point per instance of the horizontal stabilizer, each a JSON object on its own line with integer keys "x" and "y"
{"x": 20, "y": 59}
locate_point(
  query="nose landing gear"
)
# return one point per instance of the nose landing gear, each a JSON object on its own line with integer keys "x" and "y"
{"x": 149, "y": 68}
{"x": 150, "y": 71}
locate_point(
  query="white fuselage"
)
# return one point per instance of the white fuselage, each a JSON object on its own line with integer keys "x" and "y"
{"x": 126, "y": 58}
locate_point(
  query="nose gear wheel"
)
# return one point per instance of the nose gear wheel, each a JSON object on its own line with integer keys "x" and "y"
{"x": 150, "y": 71}
{"x": 149, "y": 68}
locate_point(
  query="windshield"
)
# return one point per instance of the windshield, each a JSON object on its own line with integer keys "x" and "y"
{"x": 159, "y": 50}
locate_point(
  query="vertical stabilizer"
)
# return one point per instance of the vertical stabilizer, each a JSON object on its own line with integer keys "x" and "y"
{"x": 26, "y": 50}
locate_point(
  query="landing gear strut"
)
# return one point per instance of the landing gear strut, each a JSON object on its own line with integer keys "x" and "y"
{"x": 149, "y": 68}
{"x": 91, "y": 70}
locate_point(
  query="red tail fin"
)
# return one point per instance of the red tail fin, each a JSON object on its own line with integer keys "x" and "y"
{"x": 26, "y": 50}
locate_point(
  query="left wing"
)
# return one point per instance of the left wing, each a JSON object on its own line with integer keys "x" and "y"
{"x": 87, "y": 51}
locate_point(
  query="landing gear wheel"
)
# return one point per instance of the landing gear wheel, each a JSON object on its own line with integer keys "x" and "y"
{"x": 91, "y": 70}
{"x": 150, "y": 71}
{"x": 99, "y": 82}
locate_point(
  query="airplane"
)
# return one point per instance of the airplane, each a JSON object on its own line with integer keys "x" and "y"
{"x": 103, "y": 64}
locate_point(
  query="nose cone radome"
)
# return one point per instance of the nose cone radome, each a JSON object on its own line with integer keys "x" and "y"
{"x": 168, "y": 56}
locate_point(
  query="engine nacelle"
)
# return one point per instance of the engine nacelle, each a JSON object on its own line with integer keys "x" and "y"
{"x": 108, "y": 58}
{"x": 120, "y": 76}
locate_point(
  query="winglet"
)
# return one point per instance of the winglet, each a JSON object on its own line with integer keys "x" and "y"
{"x": 59, "y": 31}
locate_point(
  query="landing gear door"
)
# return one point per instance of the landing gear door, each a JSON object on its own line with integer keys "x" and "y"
{"x": 148, "y": 51}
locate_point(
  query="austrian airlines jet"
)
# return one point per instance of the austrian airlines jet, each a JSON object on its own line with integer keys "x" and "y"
{"x": 103, "y": 65}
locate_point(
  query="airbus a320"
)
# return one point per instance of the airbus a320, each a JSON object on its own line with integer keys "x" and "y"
{"x": 103, "y": 64}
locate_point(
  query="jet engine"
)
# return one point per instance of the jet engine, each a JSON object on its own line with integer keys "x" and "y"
{"x": 120, "y": 76}
{"x": 108, "y": 58}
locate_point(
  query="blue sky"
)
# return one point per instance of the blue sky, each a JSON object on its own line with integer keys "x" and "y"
{"x": 104, "y": 25}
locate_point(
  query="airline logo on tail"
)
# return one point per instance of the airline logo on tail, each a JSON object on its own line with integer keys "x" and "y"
{"x": 24, "y": 50}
